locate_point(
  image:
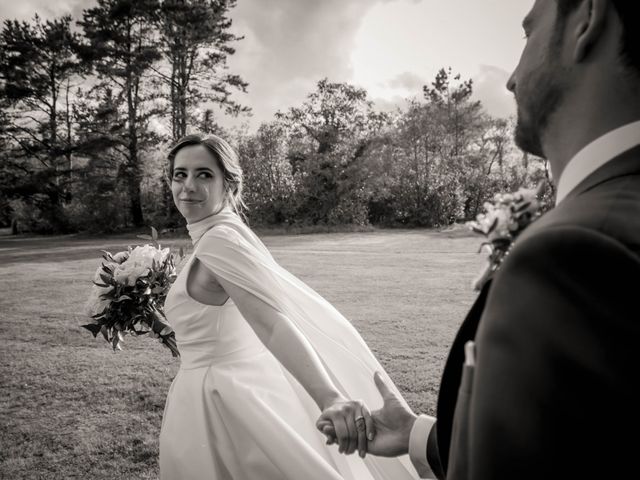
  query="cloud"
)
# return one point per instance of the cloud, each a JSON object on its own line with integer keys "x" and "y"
{"x": 291, "y": 44}
{"x": 25, "y": 10}
{"x": 489, "y": 86}
{"x": 408, "y": 81}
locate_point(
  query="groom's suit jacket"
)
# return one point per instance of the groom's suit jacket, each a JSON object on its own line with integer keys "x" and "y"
{"x": 557, "y": 334}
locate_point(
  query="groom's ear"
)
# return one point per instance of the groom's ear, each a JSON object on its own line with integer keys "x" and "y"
{"x": 591, "y": 19}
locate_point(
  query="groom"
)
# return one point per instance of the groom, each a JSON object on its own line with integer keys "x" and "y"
{"x": 547, "y": 389}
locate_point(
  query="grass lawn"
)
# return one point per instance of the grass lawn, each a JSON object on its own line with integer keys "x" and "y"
{"x": 70, "y": 408}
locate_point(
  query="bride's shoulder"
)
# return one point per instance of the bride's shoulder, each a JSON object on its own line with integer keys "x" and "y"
{"x": 220, "y": 236}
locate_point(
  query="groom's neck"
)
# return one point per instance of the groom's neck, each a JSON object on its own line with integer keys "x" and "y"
{"x": 594, "y": 107}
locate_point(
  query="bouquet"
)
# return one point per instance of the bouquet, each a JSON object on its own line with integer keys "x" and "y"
{"x": 129, "y": 291}
{"x": 503, "y": 221}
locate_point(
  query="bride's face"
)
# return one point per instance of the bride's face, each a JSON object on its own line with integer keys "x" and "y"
{"x": 197, "y": 183}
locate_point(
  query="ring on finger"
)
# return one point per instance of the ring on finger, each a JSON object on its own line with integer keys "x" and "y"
{"x": 359, "y": 417}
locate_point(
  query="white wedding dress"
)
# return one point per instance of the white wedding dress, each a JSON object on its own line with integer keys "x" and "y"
{"x": 233, "y": 411}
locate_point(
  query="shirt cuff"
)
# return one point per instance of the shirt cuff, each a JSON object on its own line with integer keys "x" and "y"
{"x": 418, "y": 445}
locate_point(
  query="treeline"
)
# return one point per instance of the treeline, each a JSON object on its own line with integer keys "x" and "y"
{"x": 90, "y": 107}
{"x": 84, "y": 102}
{"x": 336, "y": 160}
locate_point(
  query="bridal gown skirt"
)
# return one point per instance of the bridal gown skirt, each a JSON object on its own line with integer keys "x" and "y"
{"x": 239, "y": 418}
{"x": 233, "y": 412}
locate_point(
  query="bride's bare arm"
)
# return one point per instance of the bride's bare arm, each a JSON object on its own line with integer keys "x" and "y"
{"x": 297, "y": 355}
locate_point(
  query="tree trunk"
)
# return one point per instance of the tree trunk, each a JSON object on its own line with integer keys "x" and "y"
{"x": 134, "y": 175}
{"x": 68, "y": 122}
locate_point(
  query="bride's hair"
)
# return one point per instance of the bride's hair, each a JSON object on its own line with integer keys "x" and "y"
{"x": 228, "y": 162}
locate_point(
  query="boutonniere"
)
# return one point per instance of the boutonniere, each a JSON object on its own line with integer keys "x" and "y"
{"x": 503, "y": 221}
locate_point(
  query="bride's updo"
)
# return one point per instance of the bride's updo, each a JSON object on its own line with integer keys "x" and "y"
{"x": 228, "y": 162}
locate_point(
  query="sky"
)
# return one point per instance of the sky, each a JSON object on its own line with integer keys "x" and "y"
{"x": 390, "y": 47}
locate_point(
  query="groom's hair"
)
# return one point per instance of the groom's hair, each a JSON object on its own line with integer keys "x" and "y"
{"x": 628, "y": 13}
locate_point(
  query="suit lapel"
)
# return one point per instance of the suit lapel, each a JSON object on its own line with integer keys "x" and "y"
{"x": 453, "y": 372}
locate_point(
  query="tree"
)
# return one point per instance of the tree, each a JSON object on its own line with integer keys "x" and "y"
{"x": 270, "y": 185}
{"x": 459, "y": 117}
{"x": 196, "y": 43}
{"x": 462, "y": 123}
{"x": 37, "y": 64}
{"x": 331, "y": 134}
{"x": 121, "y": 50}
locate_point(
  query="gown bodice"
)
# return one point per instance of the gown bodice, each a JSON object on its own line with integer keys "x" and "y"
{"x": 207, "y": 334}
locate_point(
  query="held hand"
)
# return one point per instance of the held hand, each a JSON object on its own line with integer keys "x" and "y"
{"x": 392, "y": 423}
{"x": 350, "y": 424}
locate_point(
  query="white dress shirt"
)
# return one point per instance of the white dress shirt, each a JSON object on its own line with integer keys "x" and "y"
{"x": 584, "y": 163}
{"x": 418, "y": 445}
{"x": 596, "y": 154}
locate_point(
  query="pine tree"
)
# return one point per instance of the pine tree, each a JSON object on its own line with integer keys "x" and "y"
{"x": 38, "y": 61}
{"x": 196, "y": 44}
{"x": 121, "y": 49}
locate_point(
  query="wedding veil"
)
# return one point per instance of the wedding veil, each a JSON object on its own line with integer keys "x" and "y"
{"x": 232, "y": 251}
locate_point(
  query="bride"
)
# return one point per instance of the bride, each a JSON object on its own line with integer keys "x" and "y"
{"x": 262, "y": 354}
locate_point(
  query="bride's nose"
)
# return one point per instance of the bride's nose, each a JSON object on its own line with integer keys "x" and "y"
{"x": 188, "y": 185}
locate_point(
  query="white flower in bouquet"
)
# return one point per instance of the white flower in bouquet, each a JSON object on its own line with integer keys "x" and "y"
{"x": 129, "y": 292}
{"x": 140, "y": 262}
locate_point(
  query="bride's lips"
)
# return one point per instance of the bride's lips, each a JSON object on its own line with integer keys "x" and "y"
{"x": 190, "y": 201}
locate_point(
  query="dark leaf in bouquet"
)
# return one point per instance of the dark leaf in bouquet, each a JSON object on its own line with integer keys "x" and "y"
{"x": 102, "y": 285}
{"x": 94, "y": 328}
{"x": 106, "y": 278}
{"x": 115, "y": 342}
{"x": 121, "y": 298}
{"x": 524, "y": 218}
{"x": 522, "y": 207}
{"x": 493, "y": 226}
{"x": 477, "y": 230}
{"x": 484, "y": 244}
{"x": 105, "y": 333}
{"x": 107, "y": 256}
{"x": 501, "y": 242}
{"x": 107, "y": 269}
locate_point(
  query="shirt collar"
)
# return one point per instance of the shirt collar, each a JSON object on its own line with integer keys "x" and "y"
{"x": 596, "y": 154}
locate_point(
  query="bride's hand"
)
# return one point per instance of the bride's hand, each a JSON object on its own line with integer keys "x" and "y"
{"x": 349, "y": 423}
{"x": 392, "y": 423}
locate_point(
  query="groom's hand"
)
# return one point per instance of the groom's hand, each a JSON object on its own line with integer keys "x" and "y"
{"x": 350, "y": 425}
{"x": 393, "y": 424}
